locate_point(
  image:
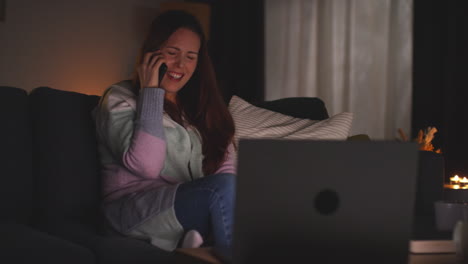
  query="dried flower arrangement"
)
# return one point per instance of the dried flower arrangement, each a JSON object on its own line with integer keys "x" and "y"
{"x": 424, "y": 139}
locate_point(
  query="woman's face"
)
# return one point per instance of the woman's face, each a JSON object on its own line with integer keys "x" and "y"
{"x": 181, "y": 56}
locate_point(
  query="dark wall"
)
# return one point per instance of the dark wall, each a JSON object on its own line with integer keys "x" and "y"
{"x": 440, "y": 78}
{"x": 237, "y": 47}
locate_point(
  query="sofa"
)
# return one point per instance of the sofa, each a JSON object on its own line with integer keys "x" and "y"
{"x": 20, "y": 240}
{"x": 50, "y": 193}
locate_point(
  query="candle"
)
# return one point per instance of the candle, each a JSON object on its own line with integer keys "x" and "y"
{"x": 455, "y": 180}
{"x": 464, "y": 182}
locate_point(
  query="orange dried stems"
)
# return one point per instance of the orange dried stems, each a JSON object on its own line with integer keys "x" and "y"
{"x": 424, "y": 139}
{"x": 402, "y": 135}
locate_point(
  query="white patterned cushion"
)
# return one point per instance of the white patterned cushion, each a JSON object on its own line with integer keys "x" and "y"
{"x": 256, "y": 122}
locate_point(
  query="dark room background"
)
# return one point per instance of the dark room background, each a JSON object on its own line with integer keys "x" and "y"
{"x": 31, "y": 38}
{"x": 440, "y": 77}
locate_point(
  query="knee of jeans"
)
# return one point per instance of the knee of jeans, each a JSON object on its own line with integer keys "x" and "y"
{"x": 226, "y": 183}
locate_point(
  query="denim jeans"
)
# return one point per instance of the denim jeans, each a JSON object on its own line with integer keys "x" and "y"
{"x": 207, "y": 205}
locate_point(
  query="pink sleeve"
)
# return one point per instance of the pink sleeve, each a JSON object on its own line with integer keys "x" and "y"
{"x": 229, "y": 164}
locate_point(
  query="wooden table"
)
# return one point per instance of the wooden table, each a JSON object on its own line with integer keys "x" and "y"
{"x": 203, "y": 253}
{"x": 432, "y": 259}
{"x": 206, "y": 255}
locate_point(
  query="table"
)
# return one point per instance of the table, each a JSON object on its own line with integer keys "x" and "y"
{"x": 205, "y": 254}
{"x": 432, "y": 259}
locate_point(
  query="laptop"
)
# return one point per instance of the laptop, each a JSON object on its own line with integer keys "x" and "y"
{"x": 327, "y": 201}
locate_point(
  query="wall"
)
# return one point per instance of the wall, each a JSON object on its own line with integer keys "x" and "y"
{"x": 237, "y": 47}
{"x": 82, "y": 45}
{"x": 440, "y": 79}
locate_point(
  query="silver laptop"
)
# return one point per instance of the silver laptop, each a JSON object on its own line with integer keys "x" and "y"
{"x": 324, "y": 201}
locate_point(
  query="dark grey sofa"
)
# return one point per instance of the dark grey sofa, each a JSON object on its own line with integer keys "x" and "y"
{"x": 50, "y": 191}
{"x": 20, "y": 240}
{"x": 51, "y": 184}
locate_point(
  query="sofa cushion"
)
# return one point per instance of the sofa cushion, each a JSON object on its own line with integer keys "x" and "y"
{"x": 66, "y": 168}
{"x": 255, "y": 122}
{"x": 22, "y": 244}
{"x": 301, "y": 107}
{"x": 16, "y": 162}
{"x": 107, "y": 248}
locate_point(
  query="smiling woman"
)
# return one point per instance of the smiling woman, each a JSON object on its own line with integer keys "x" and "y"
{"x": 166, "y": 145}
{"x": 180, "y": 54}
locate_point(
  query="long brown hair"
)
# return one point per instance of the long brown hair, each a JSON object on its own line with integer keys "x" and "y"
{"x": 199, "y": 101}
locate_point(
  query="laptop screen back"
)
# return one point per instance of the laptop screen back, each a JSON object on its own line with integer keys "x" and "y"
{"x": 330, "y": 201}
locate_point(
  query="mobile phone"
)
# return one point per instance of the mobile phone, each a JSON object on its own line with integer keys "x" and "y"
{"x": 162, "y": 71}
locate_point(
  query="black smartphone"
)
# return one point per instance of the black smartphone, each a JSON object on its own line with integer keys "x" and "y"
{"x": 162, "y": 71}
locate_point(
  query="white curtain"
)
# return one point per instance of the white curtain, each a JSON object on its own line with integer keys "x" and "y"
{"x": 356, "y": 55}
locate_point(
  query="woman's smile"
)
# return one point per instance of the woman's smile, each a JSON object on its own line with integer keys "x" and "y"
{"x": 174, "y": 76}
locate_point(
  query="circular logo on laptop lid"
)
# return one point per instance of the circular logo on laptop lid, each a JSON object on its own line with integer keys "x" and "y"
{"x": 327, "y": 202}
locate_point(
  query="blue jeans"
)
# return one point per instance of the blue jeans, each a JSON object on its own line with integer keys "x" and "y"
{"x": 207, "y": 205}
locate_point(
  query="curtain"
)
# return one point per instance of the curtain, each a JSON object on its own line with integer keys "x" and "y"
{"x": 356, "y": 55}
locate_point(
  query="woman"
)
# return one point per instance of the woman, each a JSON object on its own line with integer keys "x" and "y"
{"x": 166, "y": 147}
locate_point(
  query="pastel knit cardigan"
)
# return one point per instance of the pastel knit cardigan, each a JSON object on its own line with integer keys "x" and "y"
{"x": 144, "y": 152}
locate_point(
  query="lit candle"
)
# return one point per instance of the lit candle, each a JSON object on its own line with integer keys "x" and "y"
{"x": 455, "y": 180}
{"x": 464, "y": 182}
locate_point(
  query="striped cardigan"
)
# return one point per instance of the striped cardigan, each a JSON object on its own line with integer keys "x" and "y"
{"x": 145, "y": 155}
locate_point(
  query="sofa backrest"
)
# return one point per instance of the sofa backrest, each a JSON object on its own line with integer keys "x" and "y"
{"x": 16, "y": 177}
{"x": 65, "y": 161}
{"x": 301, "y": 107}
